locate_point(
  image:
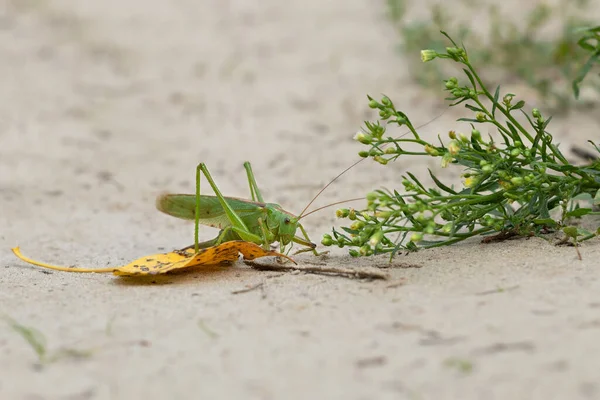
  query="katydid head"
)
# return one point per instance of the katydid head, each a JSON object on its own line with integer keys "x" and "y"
{"x": 281, "y": 223}
{"x": 287, "y": 229}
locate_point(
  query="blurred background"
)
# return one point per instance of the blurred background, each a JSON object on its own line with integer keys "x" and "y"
{"x": 106, "y": 104}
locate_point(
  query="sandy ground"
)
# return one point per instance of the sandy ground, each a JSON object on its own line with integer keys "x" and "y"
{"x": 107, "y": 104}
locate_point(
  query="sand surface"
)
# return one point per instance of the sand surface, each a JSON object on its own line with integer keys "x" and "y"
{"x": 106, "y": 104}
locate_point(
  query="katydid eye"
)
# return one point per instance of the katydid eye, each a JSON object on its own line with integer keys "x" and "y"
{"x": 287, "y": 220}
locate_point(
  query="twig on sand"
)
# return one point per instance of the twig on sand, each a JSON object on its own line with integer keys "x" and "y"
{"x": 248, "y": 289}
{"x": 335, "y": 271}
{"x": 398, "y": 283}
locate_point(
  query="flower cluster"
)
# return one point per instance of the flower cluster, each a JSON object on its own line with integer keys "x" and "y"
{"x": 509, "y": 186}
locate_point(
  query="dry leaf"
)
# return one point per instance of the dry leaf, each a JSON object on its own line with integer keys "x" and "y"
{"x": 225, "y": 253}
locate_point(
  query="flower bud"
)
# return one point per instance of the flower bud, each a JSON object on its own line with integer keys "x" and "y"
{"x": 457, "y": 92}
{"x": 450, "y": 84}
{"x": 365, "y": 250}
{"x": 363, "y": 138}
{"x": 471, "y": 181}
{"x": 446, "y": 159}
{"x": 376, "y": 237}
{"x": 371, "y": 196}
{"x": 416, "y": 237}
{"x": 376, "y": 130}
{"x": 357, "y": 225}
{"x": 327, "y": 240}
{"x": 401, "y": 121}
{"x": 428, "y": 55}
{"x": 380, "y": 160}
{"x": 342, "y": 213}
{"x": 352, "y": 214}
{"x": 453, "y": 52}
{"x": 517, "y": 181}
{"x": 432, "y": 151}
{"x": 453, "y": 147}
{"x": 384, "y": 214}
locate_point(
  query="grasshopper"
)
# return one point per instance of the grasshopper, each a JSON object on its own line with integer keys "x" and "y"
{"x": 238, "y": 219}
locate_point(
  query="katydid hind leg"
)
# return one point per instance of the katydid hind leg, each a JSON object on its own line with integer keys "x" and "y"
{"x": 225, "y": 235}
{"x": 248, "y": 236}
{"x": 236, "y": 222}
{"x": 202, "y": 245}
{"x": 254, "y": 190}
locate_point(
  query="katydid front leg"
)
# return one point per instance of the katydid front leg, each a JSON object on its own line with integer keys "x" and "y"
{"x": 255, "y": 191}
{"x": 310, "y": 246}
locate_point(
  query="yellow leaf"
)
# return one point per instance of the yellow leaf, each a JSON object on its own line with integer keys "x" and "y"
{"x": 225, "y": 253}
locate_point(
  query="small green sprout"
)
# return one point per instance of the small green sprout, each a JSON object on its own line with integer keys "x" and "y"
{"x": 37, "y": 341}
{"x": 461, "y": 365}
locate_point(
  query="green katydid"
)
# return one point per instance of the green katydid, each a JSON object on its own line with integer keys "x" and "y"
{"x": 239, "y": 219}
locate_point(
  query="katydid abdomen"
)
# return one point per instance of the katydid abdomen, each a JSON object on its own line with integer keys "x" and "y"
{"x": 213, "y": 214}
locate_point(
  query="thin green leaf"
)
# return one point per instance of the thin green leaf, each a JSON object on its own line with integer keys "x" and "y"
{"x": 518, "y": 106}
{"x": 440, "y": 184}
{"x": 578, "y": 212}
{"x": 584, "y": 70}
{"x": 473, "y": 108}
{"x": 495, "y": 102}
{"x": 470, "y": 76}
{"x": 449, "y": 38}
{"x": 416, "y": 181}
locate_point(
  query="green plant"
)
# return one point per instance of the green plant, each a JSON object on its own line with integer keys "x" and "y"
{"x": 462, "y": 365}
{"x": 33, "y": 337}
{"x": 590, "y": 42}
{"x": 516, "y": 50}
{"x": 37, "y": 341}
{"x": 521, "y": 185}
